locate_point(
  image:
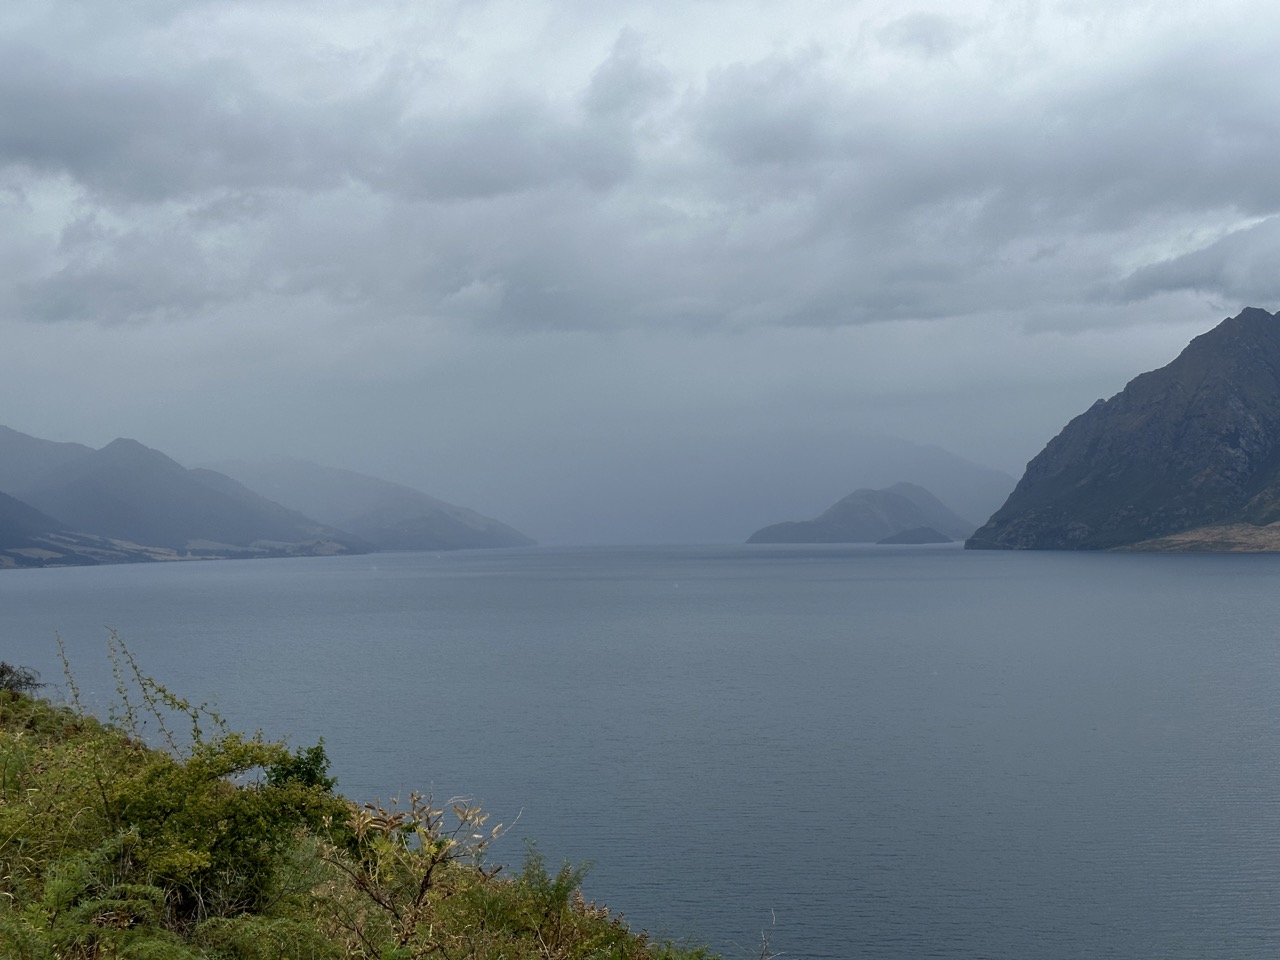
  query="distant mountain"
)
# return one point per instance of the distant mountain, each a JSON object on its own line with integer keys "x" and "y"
{"x": 25, "y": 460}
{"x": 1185, "y": 457}
{"x": 386, "y": 515}
{"x": 129, "y": 492}
{"x": 970, "y": 489}
{"x": 869, "y": 516}
{"x": 682, "y": 484}
{"x": 29, "y": 538}
{"x": 19, "y": 523}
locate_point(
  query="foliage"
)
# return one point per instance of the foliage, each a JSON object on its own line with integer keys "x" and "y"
{"x": 225, "y": 846}
{"x": 21, "y": 679}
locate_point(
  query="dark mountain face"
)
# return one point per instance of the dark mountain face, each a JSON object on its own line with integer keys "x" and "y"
{"x": 1193, "y": 444}
{"x": 870, "y": 516}
{"x": 20, "y": 522}
{"x": 29, "y": 538}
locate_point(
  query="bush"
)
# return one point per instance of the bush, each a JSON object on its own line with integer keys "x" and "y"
{"x": 234, "y": 847}
{"x": 18, "y": 679}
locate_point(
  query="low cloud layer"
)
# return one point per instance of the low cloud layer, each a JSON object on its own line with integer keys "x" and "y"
{"x": 442, "y": 215}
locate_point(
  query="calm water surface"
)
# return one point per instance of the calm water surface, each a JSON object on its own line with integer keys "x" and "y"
{"x": 869, "y": 752}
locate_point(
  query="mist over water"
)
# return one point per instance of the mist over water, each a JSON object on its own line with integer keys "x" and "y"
{"x": 870, "y": 752}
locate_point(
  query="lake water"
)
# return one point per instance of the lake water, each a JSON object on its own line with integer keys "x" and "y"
{"x": 869, "y": 752}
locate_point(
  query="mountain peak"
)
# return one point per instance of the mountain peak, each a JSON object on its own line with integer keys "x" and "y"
{"x": 125, "y": 450}
{"x": 1193, "y": 444}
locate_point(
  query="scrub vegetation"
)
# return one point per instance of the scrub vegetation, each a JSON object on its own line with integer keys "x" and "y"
{"x": 160, "y": 834}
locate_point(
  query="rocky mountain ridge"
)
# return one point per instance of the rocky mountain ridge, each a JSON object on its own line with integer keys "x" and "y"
{"x": 1174, "y": 460}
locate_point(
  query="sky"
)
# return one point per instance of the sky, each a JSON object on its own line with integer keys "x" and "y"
{"x": 524, "y": 255}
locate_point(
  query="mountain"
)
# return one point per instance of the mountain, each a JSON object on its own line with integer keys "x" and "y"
{"x": 129, "y": 492}
{"x": 29, "y": 538}
{"x": 65, "y": 503}
{"x": 674, "y": 484}
{"x": 386, "y": 515}
{"x": 19, "y": 522}
{"x": 1185, "y": 457}
{"x": 25, "y": 460}
{"x": 21, "y": 526}
{"x": 870, "y": 516}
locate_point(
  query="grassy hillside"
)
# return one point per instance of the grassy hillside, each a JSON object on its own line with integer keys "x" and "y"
{"x": 230, "y": 847}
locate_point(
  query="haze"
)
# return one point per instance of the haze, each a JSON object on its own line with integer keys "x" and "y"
{"x": 583, "y": 267}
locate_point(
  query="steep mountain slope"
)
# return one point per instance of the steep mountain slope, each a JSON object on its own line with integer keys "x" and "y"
{"x": 869, "y": 516}
{"x": 19, "y": 523}
{"x": 129, "y": 492}
{"x": 1192, "y": 445}
{"x": 384, "y": 514}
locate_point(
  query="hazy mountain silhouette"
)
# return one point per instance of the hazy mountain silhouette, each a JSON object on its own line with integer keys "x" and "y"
{"x": 26, "y": 460}
{"x": 387, "y": 515}
{"x": 869, "y": 516}
{"x": 677, "y": 487}
{"x": 1187, "y": 456}
{"x": 129, "y": 492}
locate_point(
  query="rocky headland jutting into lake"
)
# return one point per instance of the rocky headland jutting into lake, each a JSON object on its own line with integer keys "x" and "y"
{"x": 1186, "y": 457}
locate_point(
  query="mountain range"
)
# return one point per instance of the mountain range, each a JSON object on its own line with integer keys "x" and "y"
{"x": 65, "y": 503}
{"x": 1186, "y": 457}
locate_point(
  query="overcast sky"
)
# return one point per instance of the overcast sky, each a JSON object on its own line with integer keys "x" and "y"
{"x": 509, "y": 252}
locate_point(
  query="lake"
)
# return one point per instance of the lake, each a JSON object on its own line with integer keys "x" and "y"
{"x": 876, "y": 752}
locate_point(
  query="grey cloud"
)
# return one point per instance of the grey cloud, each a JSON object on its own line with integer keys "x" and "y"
{"x": 925, "y": 34}
{"x": 161, "y": 273}
{"x": 1239, "y": 267}
{"x": 148, "y": 138}
{"x": 627, "y": 82}
{"x": 770, "y": 191}
{"x": 210, "y": 127}
{"x": 776, "y": 111}
{"x": 509, "y": 148}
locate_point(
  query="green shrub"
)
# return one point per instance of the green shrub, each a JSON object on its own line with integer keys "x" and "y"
{"x": 18, "y": 679}
{"x": 222, "y": 846}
